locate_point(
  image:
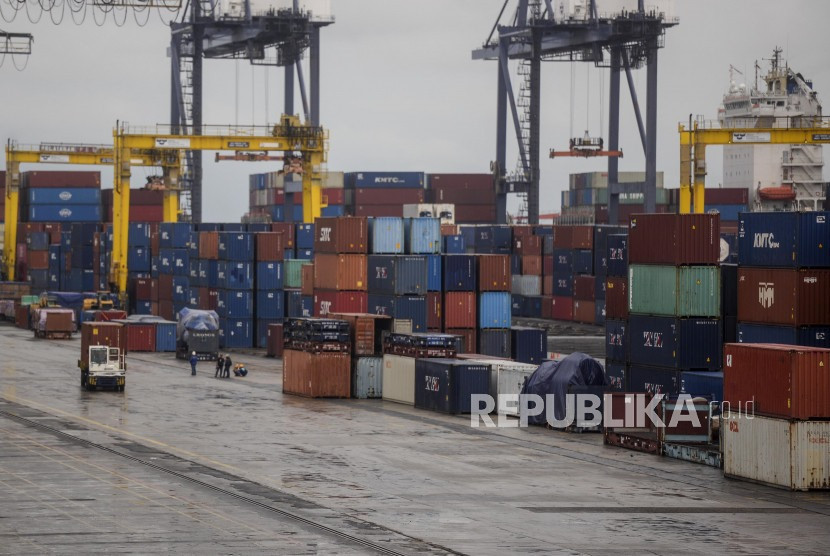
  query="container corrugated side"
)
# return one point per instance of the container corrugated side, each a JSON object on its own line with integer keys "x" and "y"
{"x": 367, "y": 377}
{"x": 784, "y": 296}
{"x": 768, "y": 239}
{"x": 677, "y": 239}
{"x": 340, "y": 272}
{"x": 447, "y": 385}
{"x": 387, "y": 234}
{"x": 494, "y": 273}
{"x": 494, "y": 310}
{"x": 399, "y": 379}
{"x": 790, "y": 382}
{"x": 293, "y": 270}
{"x": 692, "y": 291}
{"x": 316, "y": 375}
{"x": 423, "y": 235}
{"x": 342, "y": 235}
{"x": 789, "y": 454}
{"x": 507, "y": 379}
{"x": 460, "y": 310}
{"x": 690, "y": 343}
{"x": 399, "y": 275}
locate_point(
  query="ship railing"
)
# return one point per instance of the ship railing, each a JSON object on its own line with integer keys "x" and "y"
{"x": 770, "y": 122}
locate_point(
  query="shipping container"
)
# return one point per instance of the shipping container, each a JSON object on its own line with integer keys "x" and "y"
{"x": 297, "y": 305}
{"x": 477, "y": 182}
{"x": 140, "y": 336}
{"x": 653, "y": 380}
{"x": 384, "y": 180}
{"x": 495, "y": 342}
{"x": 494, "y": 273}
{"x": 165, "y": 336}
{"x": 562, "y": 308}
{"x": 342, "y": 235}
{"x": 316, "y": 375}
{"x": 387, "y": 235}
{"x": 813, "y": 336}
{"x": 61, "y": 179}
{"x": 528, "y": 345}
{"x": 64, "y": 213}
{"x": 435, "y": 274}
{"x": 790, "y": 382}
{"x": 270, "y": 304}
{"x": 269, "y": 276}
{"x": 293, "y": 273}
{"x": 64, "y": 196}
{"x": 675, "y": 239}
{"x": 236, "y": 246}
{"x": 563, "y": 285}
{"x": 475, "y": 214}
{"x": 468, "y": 337}
{"x": 563, "y": 262}
{"x": 585, "y": 311}
{"x": 270, "y": 246}
{"x": 367, "y": 331}
{"x": 340, "y": 272}
{"x": 453, "y": 244}
{"x": 584, "y": 288}
{"x": 527, "y": 285}
{"x": 447, "y": 385}
{"x": 328, "y": 301}
{"x": 691, "y": 343}
{"x": 616, "y": 340}
{"x": 208, "y": 245}
{"x": 276, "y": 340}
{"x": 616, "y": 297}
{"x": 367, "y": 377}
{"x": 397, "y": 275}
{"x": 784, "y": 296}
{"x": 532, "y": 265}
{"x": 460, "y": 310}
{"x": 287, "y": 231}
{"x": 462, "y": 198}
{"x": 692, "y": 291}
{"x": 784, "y": 239}
{"x": 422, "y": 235}
{"x": 729, "y": 289}
{"x": 615, "y": 376}
{"x": 435, "y": 313}
{"x": 790, "y": 454}
{"x": 235, "y": 275}
{"x": 399, "y": 379}
{"x": 238, "y": 333}
{"x": 583, "y": 261}
{"x": 236, "y": 304}
{"x": 507, "y": 378}
{"x": 702, "y": 384}
{"x": 494, "y": 310}
{"x": 459, "y": 272}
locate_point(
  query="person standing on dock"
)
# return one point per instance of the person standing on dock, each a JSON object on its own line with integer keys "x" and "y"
{"x": 193, "y": 361}
{"x": 220, "y": 363}
{"x": 228, "y": 363}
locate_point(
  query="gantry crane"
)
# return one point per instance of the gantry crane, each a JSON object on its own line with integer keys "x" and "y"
{"x": 158, "y": 147}
{"x": 699, "y": 135}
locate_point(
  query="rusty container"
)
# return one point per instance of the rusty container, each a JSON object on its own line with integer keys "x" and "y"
{"x": 469, "y": 337}
{"x": 573, "y": 237}
{"x": 494, "y": 273}
{"x": 532, "y": 265}
{"x": 367, "y": 331}
{"x": 287, "y": 230}
{"x": 209, "y": 245}
{"x": 270, "y": 246}
{"x": 38, "y": 260}
{"x": 527, "y": 245}
{"x": 112, "y": 334}
{"x": 275, "y": 340}
{"x": 584, "y": 311}
{"x": 340, "y": 272}
{"x": 435, "y": 313}
{"x": 790, "y": 382}
{"x": 584, "y": 287}
{"x": 460, "y": 310}
{"x": 616, "y": 297}
{"x": 316, "y": 375}
{"x": 307, "y": 279}
{"x": 449, "y": 230}
{"x": 676, "y": 239}
{"x": 348, "y": 234}
{"x": 784, "y": 296}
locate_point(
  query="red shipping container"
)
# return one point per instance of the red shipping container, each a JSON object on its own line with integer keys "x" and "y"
{"x": 165, "y": 287}
{"x": 469, "y": 335}
{"x": 341, "y": 272}
{"x": 523, "y": 231}
{"x": 790, "y": 382}
{"x": 38, "y": 260}
{"x": 584, "y": 311}
{"x": 143, "y": 289}
{"x": 54, "y": 229}
{"x": 110, "y": 334}
{"x": 460, "y": 310}
{"x": 494, "y": 273}
{"x": 532, "y": 266}
{"x": 475, "y": 214}
{"x": 462, "y": 181}
{"x": 326, "y": 301}
{"x": 562, "y": 308}
{"x": 287, "y": 230}
{"x": 462, "y": 196}
{"x": 384, "y": 196}
{"x": 341, "y": 235}
{"x": 145, "y": 213}
{"x": 547, "y": 265}
{"x": 616, "y": 297}
{"x": 213, "y": 299}
{"x": 333, "y": 196}
{"x": 379, "y": 210}
{"x": 141, "y": 336}
{"x": 584, "y": 287}
{"x": 204, "y": 299}
{"x": 276, "y": 340}
{"x": 784, "y": 296}
{"x": 547, "y": 307}
{"x": 527, "y": 245}
{"x": 675, "y": 239}
{"x": 166, "y": 311}
{"x": 434, "y": 313}
{"x": 109, "y": 315}
{"x": 307, "y": 279}
{"x": 270, "y": 246}
{"x": 562, "y": 237}
{"x": 547, "y": 285}
{"x": 449, "y": 230}
{"x": 727, "y": 196}
{"x": 155, "y": 240}
{"x": 26, "y": 228}
{"x": 56, "y": 179}
{"x": 209, "y": 245}
{"x": 317, "y": 375}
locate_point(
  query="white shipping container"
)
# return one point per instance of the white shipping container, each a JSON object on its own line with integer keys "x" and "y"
{"x": 399, "y": 379}
{"x": 527, "y": 285}
{"x": 367, "y": 377}
{"x": 419, "y": 210}
{"x": 333, "y": 180}
{"x": 790, "y": 454}
{"x": 507, "y": 378}
{"x": 444, "y": 212}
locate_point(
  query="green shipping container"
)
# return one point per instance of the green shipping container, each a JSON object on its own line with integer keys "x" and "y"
{"x": 686, "y": 291}
{"x": 293, "y": 272}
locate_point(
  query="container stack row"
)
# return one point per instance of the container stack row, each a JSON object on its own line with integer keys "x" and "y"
{"x": 278, "y": 197}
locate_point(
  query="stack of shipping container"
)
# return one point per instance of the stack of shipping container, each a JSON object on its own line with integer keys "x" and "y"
{"x": 674, "y": 293}
{"x": 60, "y": 197}
{"x": 473, "y": 195}
{"x": 269, "y": 302}
{"x": 277, "y": 196}
{"x": 587, "y": 197}
{"x": 616, "y": 311}
{"x": 340, "y": 265}
{"x": 235, "y": 272}
{"x": 383, "y": 193}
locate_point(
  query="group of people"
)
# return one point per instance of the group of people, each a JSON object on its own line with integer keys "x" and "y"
{"x": 223, "y": 366}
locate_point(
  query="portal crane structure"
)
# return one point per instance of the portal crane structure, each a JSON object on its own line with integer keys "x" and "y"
{"x": 233, "y": 30}
{"x": 536, "y": 33}
{"x": 701, "y": 134}
{"x": 159, "y": 147}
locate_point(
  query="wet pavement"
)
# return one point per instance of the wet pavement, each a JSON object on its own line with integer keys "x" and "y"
{"x": 203, "y": 465}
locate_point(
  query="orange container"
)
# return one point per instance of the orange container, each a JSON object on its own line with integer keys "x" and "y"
{"x": 307, "y": 279}
{"x": 459, "y": 310}
{"x": 208, "y": 245}
{"x": 340, "y": 272}
{"x": 316, "y": 375}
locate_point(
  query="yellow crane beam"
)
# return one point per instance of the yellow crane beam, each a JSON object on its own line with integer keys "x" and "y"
{"x": 694, "y": 140}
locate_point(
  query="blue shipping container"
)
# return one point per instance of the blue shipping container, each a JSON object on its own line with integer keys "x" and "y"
{"x": 270, "y": 304}
{"x": 262, "y": 331}
{"x": 616, "y": 340}
{"x": 304, "y": 236}
{"x": 82, "y": 256}
{"x": 583, "y": 261}
{"x": 235, "y": 304}
{"x": 599, "y": 312}
{"x": 515, "y": 264}
{"x": 38, "y": 241}
{"x": 692, "y": 343}
{"x": 64, "y": 196}
{"x": 138, "y": 259}
{"x": 82, "y": 233}
{"x": 165, "y": 336}
{"x": 269, "y": 276}
{"x": 422, "y": 236}
{"x": 143, "y": 307}
{"x": 236, "y": 246}
{"x": 294, "y": 304}
{"x": 64, "y": 213}
{"x": 454, "y": 245}
{"x": 333, "y": 211}
{"x": 447, "y": 385}
{"x": 407, "y": 307}
{"x": 193, "y": 297}
{"x": 193, "y": 245}
{"x": 238, "y": 333}
{"x": 277, "y": 213}
{"x": 812, "y": 336}
{"x": 617, "y": 257}
{"x": 654, "y": 380}
{"x": 728, "y": 213}
{"x": 235, "y": 275}
{"x": 529, "y": 345}
{"x": 494, "y": 342}
{"x": 181, "y": 289}
{"x": 139, "y": 234}
{"x": 397, "y": 274}
{"x": 234, "y": 227}
{"x": 702, "y": 385}
{"x": 174, "y": 235}
{"x": 615, "y": 376}
{"x": 494, "y": 310}
{"x": 181, "y": 262}
{"x": 784, "y": 239}
{"x": 563, "y": 261}
{"x": 305, "y": 254}
{"x": 387, "y": 235}
{"x": 384, "y": 180}
{"x": 563, "y": 284}
{"x": 517, "y": 305}
{"x": 435, "y": 276}
{"x": 601, "y": 233}
{"x": 469, "y": 235}
{"x": 460, "y": 273}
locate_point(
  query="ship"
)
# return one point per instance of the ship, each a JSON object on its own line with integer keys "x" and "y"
{"x": 777, "y": 177}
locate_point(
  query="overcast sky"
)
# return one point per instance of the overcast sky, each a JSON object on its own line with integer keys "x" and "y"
{"x": 399, "y": 88}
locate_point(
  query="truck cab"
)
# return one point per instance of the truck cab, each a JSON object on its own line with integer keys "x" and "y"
{"x": 106, "y": 368}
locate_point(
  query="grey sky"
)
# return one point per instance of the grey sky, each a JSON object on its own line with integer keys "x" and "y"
{"x": 400, "y": 90}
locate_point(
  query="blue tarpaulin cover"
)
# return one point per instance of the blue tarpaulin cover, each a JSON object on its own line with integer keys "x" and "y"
{"x": 555, "y": 377}
{"x": 195, "y": 319}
